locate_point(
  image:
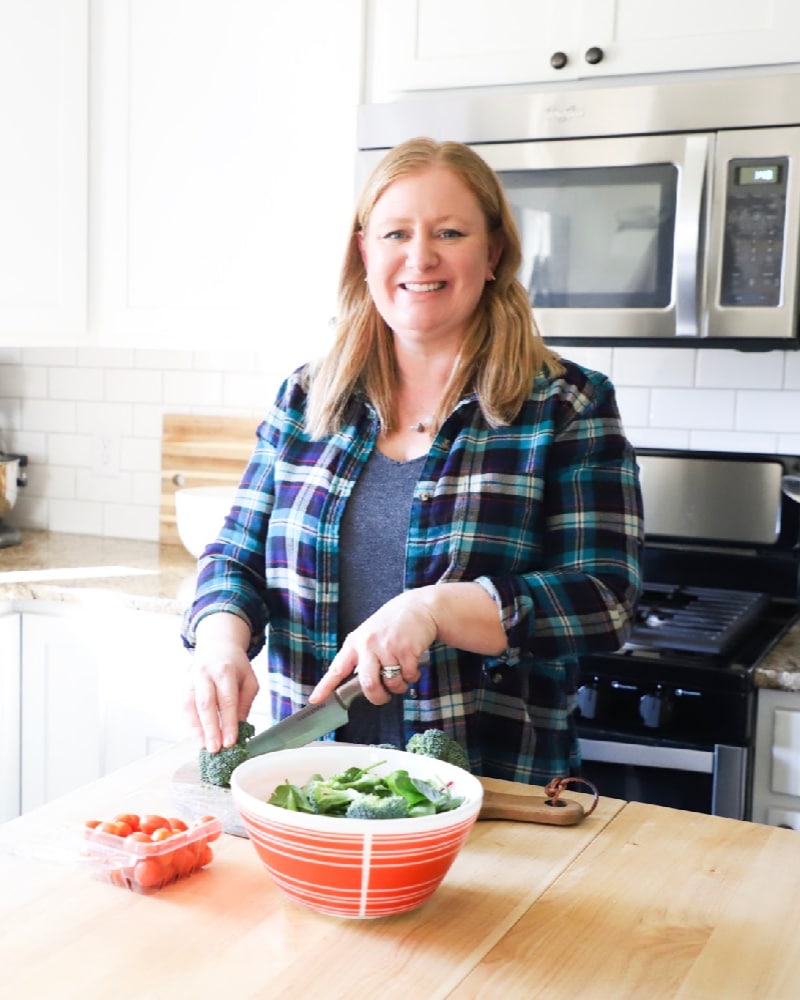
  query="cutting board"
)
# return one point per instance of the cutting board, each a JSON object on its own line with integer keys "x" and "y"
{"x": 200, "y": 451}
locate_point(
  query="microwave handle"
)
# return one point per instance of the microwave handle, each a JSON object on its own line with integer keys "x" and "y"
{"x": 687, "y": 235}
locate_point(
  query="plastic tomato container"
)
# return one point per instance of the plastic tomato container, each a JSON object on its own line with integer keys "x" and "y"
{"x": 147, "y": 867}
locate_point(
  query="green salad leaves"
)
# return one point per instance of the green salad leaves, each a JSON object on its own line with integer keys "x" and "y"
{"x": 358, "y": 793}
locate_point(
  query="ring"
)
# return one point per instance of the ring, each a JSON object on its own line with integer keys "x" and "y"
{"x": 390, "y": 673}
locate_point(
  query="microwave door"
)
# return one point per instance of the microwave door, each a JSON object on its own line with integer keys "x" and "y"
{"x": 611, "y": 232}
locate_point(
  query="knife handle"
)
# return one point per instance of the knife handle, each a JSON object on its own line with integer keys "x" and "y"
{"x": 347, "y": 693}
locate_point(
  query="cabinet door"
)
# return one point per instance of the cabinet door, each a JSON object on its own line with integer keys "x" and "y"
{"x": 436, "y": 44}
{"x": 10, "y": 709}
{"x": 439, "y": 44}
{"x": 223, "y": 158}
{"x": 43, "y": 171}
{"x": 61, "y": 711}
{"x": 655, "y": 37}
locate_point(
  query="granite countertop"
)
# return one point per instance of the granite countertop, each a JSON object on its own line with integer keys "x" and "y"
{"x": 780, "y": 668}
{"x": 85, "y": 569}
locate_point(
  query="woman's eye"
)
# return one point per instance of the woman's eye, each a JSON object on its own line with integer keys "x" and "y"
{"x": 450, "y": 234}
{"x": 394, "y": 234}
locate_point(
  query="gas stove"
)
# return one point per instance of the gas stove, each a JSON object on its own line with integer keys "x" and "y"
{"x": 722, "y": 581}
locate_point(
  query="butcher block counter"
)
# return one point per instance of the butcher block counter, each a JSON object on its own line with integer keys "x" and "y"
{"x": 636, "y": 901}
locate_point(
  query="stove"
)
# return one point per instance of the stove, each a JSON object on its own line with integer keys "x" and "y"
{"x": 670, "y": 717}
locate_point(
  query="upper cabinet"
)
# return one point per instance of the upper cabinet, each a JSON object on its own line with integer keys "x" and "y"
{"x": 438, "y": 44}
{"x": 175, "y": 173}
{"x": 223, "y": 142}
{"x": 43, "y": 171}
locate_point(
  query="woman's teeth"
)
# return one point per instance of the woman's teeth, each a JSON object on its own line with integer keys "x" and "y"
{"x": 430, "y": 286}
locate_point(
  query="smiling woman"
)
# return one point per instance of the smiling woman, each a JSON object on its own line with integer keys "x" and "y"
{"x": 440, "y": 424}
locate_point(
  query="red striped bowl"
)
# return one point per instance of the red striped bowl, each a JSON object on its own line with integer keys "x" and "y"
{"x": 352, "y": 867}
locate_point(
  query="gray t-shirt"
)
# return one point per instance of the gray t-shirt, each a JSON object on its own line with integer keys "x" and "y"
{"x": 372, "y": 560}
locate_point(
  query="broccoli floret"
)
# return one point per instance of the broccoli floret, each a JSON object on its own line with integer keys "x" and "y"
{"x": 325, "y": 798}
{"x": 378, "y": 807}
{"x": 436, "y": 743}
{"x": 217, "y": 768}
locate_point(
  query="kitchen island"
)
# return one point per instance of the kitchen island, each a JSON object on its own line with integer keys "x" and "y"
{"x": 636, "y": 901}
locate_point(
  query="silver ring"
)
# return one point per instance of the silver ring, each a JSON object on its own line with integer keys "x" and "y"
{"x": 390, "y": 673}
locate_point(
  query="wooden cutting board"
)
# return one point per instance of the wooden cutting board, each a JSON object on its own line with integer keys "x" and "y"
{"x": 200, "y": 451}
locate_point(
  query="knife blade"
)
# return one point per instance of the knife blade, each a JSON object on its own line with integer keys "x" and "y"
{"x": 309, "y": 723}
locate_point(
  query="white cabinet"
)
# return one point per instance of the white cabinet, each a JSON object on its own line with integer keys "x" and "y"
{"x": 10, "y": 707}
{"x": 223, "y": 170}
{"x": 435, "y": 44}
{"x": 84, "y": 692}
{"x": 776, "y": 781}
{"x": 43, "y": 171}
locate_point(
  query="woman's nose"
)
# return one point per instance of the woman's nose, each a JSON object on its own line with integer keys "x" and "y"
{"x": 421, "y": 253}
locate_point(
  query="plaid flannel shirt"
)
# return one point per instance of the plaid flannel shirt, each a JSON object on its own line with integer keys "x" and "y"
{"x": 545, "y": 514}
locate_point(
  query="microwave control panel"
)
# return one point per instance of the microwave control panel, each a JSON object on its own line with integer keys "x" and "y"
{"x": 755, "y": 224}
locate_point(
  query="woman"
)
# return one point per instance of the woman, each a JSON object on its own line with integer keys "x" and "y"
{"x": 441, "y": 494}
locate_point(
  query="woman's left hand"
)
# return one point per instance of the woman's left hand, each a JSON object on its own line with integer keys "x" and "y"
{"x": 397, "y": 634}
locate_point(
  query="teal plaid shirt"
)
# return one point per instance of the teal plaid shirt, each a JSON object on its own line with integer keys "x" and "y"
{"x": 545, "y": 514}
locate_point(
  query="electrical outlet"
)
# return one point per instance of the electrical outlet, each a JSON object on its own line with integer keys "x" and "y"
{"x": 107, "y": 447}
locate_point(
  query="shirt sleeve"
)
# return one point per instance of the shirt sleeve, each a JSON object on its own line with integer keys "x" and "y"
{"x": 582, "y": 600}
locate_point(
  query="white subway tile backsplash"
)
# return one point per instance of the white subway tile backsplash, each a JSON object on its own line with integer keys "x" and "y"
{"x": 74, "y": 382}
{"x": 706, "y": 409}
{"x": 106, "y": 418}
{"x": 648, "y": 367}
{"x": 51, "y": 410}
{"x": 130, "y": 385}
{"x": 763, "y": 411}
{"x": 731, "y": 369}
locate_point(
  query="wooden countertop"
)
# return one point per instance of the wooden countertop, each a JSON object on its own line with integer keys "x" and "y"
{"x": 635, "y": 902}
{"x": 228, "y": 932}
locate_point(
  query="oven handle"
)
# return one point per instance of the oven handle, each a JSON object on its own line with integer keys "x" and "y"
{"x": 646, "y": 755}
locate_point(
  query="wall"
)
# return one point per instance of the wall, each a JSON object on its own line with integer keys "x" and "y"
{"x": 60, "y": 406}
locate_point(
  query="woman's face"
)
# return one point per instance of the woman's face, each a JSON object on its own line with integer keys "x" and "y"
{"x": 428, "y": 255}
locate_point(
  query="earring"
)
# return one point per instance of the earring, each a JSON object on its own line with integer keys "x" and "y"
{"x": 491, "y": 276}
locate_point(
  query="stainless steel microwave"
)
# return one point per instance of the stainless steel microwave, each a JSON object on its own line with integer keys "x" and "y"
{"x": 652, "y": 213}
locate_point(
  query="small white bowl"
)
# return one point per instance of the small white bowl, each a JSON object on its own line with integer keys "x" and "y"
{"x": 200, "y": 512}
{"x": 352, "y": 867}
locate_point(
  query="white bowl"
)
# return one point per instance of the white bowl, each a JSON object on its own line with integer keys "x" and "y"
{"x": 352, "y": 867}
{"x": 200, "y": 512}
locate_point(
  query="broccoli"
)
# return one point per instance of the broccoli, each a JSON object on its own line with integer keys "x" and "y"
{"x": 436, "y": 743}
{"x": 369, "y": 806}
{"x": 217, "y": 768}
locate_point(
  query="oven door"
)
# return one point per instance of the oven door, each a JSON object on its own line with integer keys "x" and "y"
{"x": 713, "y": 780}
{"x": 612, "y": 232}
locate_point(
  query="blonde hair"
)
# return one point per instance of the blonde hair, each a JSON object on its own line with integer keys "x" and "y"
{"x": 502, "y": 351}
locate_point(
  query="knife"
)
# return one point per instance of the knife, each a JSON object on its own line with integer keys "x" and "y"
{"x": 309, "y": 723}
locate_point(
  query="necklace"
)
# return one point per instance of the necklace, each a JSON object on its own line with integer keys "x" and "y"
{"x": 421, "y": 425}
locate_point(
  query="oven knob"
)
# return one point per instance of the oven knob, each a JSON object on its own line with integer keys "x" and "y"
{"x": 655, "y": 708}
{"x": 558, "y": 60}
{"x": 587, "y": 700}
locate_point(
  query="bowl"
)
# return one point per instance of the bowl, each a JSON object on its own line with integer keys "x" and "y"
{"x": 200, "y": 512}
{"x": 352, "y": 867}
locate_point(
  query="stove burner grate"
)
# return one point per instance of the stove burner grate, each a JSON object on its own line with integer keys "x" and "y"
{"x": 694, "y": 619}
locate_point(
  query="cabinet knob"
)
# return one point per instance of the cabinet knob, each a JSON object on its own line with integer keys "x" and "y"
{"x": 558, "y": 60}
{"x": 594, "y": 55}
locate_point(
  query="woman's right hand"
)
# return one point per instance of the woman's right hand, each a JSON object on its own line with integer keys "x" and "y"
{"x": 223, "y": 684}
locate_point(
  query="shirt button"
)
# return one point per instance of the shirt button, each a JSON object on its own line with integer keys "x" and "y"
{"x": 497, "y": 677}
{"x": 425, "y": 497}
{"x": 412, "y": 693}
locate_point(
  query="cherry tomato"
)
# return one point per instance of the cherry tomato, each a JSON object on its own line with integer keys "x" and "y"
{"x": 107, "y": 827}
{"x": 183, "y": 861}
{"x": 92, "y": 824}
{"x": 204, "y": 856}
{"x": 177, "y": 825}
{"x": 135, "y": 840}
{"x": 131, "y": 819}
{"x": 148, "y": 874}
{"x": 162, "y": 833}
{"x": 208, "y": 819}
{"x": 152, "y": 822}
{"x": 123, "y": 829}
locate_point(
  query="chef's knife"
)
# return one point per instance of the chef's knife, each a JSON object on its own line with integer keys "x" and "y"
{"x": 309, "y": 723}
